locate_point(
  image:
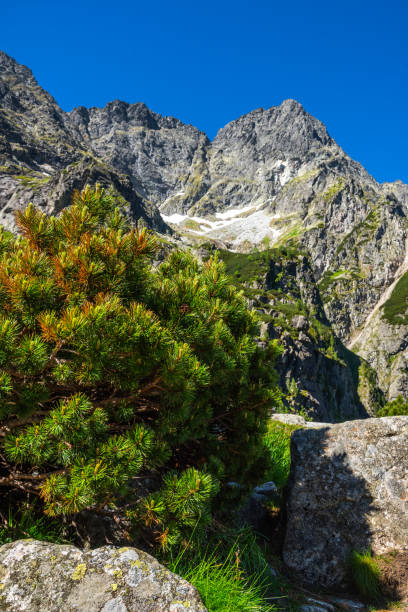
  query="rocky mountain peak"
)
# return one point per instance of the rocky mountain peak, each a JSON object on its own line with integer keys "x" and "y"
{"x": 8, "y": 64}
{"x": 19, "y": 90}
{"x": 287, "y": 129}
{"x": 292, "y": 105}
{"x": 43, "y": 158}
{"x": 116, "y": 114}
{"x": 154, "y": 151}
{"x": 122, "y": 115}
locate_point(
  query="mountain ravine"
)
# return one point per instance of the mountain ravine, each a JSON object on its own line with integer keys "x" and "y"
{"x": 273, "y": 178}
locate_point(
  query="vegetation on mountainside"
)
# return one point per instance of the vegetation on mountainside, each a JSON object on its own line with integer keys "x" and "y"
{"x": 33, "y": 181}
{"x": 113, "y": 370}
{"x": 282, "y": 301}
{"x": 246, "y": 268}
{"x": 333, "y": 190}
{"x": 395, "y": 308}
{"x": 347, "y": 269}
{"x": 368, "y": 389}
{"x": 397, "y": 407}
{"x": 341, "y": 280}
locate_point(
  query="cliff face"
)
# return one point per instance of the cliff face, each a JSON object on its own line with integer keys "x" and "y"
{"x": 159, "y": 153}
{"x": 318, "y": 376}
{"x": 270, "y": 178}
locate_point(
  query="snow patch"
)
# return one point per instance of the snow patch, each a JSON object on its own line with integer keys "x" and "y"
{"x": 286, "y": 176}
{"x": 233, "y": 212}
{"x": 175, "y": 218}
{"x": 231, "y": 227}
{"x": 283, "y": 170}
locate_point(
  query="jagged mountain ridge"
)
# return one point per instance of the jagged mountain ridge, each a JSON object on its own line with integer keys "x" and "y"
{"x": 41, "y": 159}
{"x": 272, "y": 174}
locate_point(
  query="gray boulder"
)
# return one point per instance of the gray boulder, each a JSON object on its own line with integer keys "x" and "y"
{"x": 348, "y": 490}
{"x": 44, "y": 577}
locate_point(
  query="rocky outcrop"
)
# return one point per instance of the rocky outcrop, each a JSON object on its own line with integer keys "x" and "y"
{"x": 383, "y": 339}
{"x": 348, "y": 490}
{"x": 321, "y": 376}
{"x": 39, "y": 577}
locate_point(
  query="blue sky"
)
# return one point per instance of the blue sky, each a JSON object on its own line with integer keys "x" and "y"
{"x": 209, "y": 62}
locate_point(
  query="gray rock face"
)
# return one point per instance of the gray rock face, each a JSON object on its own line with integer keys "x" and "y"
{"x": 39, "y": 577}
{"x": 253, "y": 157}
{"x": 348, "y": 490}
{"x": 159, "y": 153}
{"x": 383, "y": 339}
{"x": 384, "y": 346}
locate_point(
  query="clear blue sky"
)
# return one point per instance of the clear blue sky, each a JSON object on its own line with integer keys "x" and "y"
{"x": 209, "y": 62}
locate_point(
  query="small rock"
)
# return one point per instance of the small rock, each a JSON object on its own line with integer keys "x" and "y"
{"x": 347, "y": 604}
{"x": 289, "y": 419}
{"x": 299, "y": 322}
{"x": 267, "y": 489}
{"x": 296, "y": 419}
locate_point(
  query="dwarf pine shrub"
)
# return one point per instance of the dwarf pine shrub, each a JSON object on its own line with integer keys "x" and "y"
{"x": 112, "y": 369}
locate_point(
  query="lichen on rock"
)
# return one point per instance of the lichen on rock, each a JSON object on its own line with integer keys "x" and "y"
{"x": 44, "y": 577}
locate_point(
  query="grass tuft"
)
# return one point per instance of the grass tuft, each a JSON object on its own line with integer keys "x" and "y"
{"x": 277, "y": 441}
{"x": 26, "y": 523}
{"x": 236, "y": 581}
{"x": 366, "y": 575}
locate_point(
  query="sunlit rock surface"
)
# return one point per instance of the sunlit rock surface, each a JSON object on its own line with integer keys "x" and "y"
{"x": 44, "y": 577}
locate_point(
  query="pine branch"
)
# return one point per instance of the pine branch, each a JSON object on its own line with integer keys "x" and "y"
{"x": 37, "y": 417}
{"x": 123, "y": 367}
{"x": 16, "y": 483}
{"x": 34, "y": 477}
